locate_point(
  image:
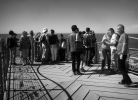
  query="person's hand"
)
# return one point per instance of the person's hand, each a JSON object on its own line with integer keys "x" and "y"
{"x": 121, "y": 56}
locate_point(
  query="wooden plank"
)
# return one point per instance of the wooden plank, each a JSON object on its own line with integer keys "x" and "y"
{"x": 104, "y": 85}
{"x": 69, "y": 91}
{"x": 107, "y": 98}
{"x": 113, "y": 90}
{"x": 80, "y": 93}
{"x": 92, "y": 96}
{"x": 117, "y": 95}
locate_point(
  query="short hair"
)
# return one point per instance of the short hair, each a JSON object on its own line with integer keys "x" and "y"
{"x": 11, "y": 32}
{"x": 61, "y": 35}
{"x": 122, "y": 26}
{"x": 87, "y": 29}
{"x": 74, "y": 27}
{"x": 52, "y": 31}
{"x": 111, "y": 29}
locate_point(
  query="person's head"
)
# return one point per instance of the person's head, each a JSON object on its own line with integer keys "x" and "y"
{"x": 24, "y": 33}
{"x": 111, "y": 31}
{"x": 52, "y": 31}
{"x": 14, "y": 34}
{"x": 83, "y": 32}
{"x": 11, "y": 32}
{"x": 74, "y": 28}
{"x": 87, "y": 29}
{"x": 120, "y": 29}
{"x": 77, "y": 30}
{"x": 31, "y": 33}
{"x": 80, "y": 33}
{"x": 61, "y": 35}
{"x": 45, "y": 30}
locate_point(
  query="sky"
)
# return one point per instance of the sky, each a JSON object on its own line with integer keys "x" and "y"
{"x": 60, "y": 15}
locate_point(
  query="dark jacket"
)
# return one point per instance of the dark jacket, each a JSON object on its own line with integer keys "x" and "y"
{"x": 53, "y": 39}
{"x": 11, "y": 42}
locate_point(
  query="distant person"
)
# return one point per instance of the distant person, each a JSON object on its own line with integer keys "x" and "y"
{"x": 74, "y": 54}
{"x": 54, "y": 43}
{"x": 12, "y": 44}
{"x": 122, "y": 49}
{"x": 62, "y": 47}
{"x": 113, "y": 46}
{"x": 31, "y": 50}
{"x": 92, "y": 46}
{"x": 1, "y": 42}
{"x": 25, "y": 44}
{"x": 105, "y": 49}
{"x": 87, "y": 44}
{"x": 44, "y": 39}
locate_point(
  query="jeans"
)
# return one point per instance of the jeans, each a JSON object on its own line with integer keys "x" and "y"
{"x": 92, "y": 53}
{"x": 121, "y": 64}
{"x": 88, "y": 54}
{"x": 75, "y": 58}
{"x": 106, "y": 54}
{"x": 54, "y": 52}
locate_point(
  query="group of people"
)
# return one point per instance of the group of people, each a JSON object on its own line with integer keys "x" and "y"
{"x": 114, "y": 48}
{"x": 81, "y": 44}
{"x": 82, "y": 48}
{"x": 50, "y": 46}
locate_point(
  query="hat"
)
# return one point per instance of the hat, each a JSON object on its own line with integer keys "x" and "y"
{"x": 45, "y": 30}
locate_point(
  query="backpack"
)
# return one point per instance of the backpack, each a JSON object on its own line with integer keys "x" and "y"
{"x": 79, "y": 44}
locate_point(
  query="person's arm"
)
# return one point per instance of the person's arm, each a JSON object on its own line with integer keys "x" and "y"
{"x": 125, "y": 44}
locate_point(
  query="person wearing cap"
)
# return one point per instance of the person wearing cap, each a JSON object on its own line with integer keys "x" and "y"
{"x": 74, "y": 54}
{"x": 54, "y": 43}
{"x": 44, "y": 40}
{"x": 12, "y": 44}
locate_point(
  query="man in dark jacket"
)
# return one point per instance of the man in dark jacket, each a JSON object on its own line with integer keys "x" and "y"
{"x": 74, "y": 54}
{"x": 12, "y": 44}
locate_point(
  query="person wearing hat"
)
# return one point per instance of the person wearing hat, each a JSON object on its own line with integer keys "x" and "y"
{"x": 44, "y": 40}
{"x": 12, "y": 44}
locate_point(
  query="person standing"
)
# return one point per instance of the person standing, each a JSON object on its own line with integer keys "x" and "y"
{"x": 105, "y": 49}
{"x": 54, "y": 42}
{"x": 74, "y": 54}
{"x": 44, "y": 40}
{"x": 122, "y": 49}
{"x": 92, "y": 46}
{"x": 25, "y": 44}
{"x": 12, "y": 44}
{"x": 62, "y": 47}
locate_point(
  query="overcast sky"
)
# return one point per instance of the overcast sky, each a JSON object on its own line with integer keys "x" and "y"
{"x": 60, "y": 15}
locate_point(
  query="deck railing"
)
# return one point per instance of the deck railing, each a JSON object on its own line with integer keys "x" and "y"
{"x": 4, "y": 64}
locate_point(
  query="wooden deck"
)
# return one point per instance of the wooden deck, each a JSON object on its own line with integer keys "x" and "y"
{"x": 57, "y": 83}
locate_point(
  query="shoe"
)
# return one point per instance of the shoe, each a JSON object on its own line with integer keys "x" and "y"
{"x": 128, "y": 84}
{"x": 83, "y": 70}
{"x": 122, "y": 83}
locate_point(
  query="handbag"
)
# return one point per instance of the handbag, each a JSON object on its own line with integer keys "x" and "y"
{"x": 78, "y": 44}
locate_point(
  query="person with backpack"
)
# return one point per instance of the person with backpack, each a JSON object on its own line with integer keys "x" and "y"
{"x": 24, "y": 47}
{"x": 75, "y": 54}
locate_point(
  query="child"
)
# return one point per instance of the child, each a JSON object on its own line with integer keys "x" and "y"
{"x": 24, "y": 47}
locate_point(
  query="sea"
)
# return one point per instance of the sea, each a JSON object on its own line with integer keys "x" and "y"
{"x": 133, "y": 42}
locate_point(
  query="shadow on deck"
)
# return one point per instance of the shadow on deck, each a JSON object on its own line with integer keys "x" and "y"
{"x": 56, "y": 82}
